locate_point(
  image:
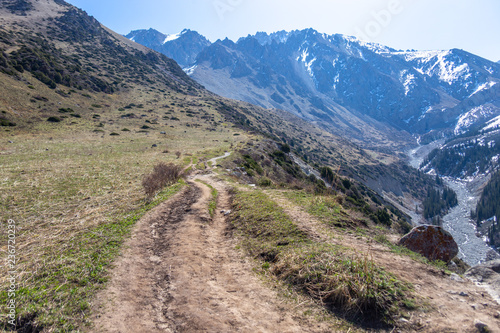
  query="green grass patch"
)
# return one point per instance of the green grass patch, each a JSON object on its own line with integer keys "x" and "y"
{"x": 59, "y": 294}
{"x": 350, "y": 285}
{"x": 212, "y": 204}
{"x": 264, "y": 225}
{"x": 325, "y": 207}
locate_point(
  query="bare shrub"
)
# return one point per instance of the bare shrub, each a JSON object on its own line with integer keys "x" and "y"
{"x": 163, "y": 174}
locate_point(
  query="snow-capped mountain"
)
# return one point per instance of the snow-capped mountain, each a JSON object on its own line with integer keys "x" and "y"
{"x": 354, "y": 88}
{"x": 182, "y": 47}
{"x": 321, "y": 77}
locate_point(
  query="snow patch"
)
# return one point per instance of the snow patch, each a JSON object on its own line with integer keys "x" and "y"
{"x": 483, "y": 86}
{"x": 305, "y": 54}
{"x": 408, "y": 81}
{"x": 170, "y": 38}
{"x": 492, "y": 124}
{"x": 309, "y": 66}
{"x": 435, "y": 63}
{"x": 409, "y": 119}
{"x": 190, "y": 70}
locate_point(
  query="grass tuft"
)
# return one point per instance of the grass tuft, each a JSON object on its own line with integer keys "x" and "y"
{"x": 345, "y": 283}
{"x": 212, "y": 204}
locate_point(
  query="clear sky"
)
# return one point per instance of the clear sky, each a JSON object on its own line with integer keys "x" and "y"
{"x": 472, "y": 25}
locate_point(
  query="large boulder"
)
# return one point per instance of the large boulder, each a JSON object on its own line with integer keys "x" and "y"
{"x": 432, "y": 242}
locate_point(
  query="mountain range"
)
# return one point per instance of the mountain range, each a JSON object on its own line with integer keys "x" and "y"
{"x": 377, "y": 97}
{"x": 363, "y": 90}
{"x": 183, "y": 47}
{"x": 121, "y": 175}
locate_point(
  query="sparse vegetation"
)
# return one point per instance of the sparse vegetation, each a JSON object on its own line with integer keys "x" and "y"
{"x": 74, "y": 188}
{"x": 212, "y": 203}
{"x": 163, "y": 174}
{"x": 347, "y": 284}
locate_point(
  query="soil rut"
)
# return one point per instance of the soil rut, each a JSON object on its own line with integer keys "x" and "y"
{"x": 181, "y": 273}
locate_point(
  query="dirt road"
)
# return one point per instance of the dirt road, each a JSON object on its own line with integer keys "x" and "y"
{"x": 180, "y": 272}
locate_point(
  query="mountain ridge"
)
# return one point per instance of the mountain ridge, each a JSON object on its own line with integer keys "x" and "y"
{"x": 318, "y": 78}
{"x": 183, "y": 47}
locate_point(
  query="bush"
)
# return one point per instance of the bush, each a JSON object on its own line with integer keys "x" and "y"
{"x": 5, "y": 122}
{"x": 53, "y": 119}
{"x": 265, "y": 182}
{"x": 285, "y": 148}
{"x": 163, "y": 175}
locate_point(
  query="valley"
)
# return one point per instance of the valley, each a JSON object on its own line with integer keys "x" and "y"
{"x": 473, "y": 248}
{"x": 264, "y": 186}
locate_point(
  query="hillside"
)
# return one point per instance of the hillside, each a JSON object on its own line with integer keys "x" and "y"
{"x": 487, "y": 211}
{"x": 90, "y": 120}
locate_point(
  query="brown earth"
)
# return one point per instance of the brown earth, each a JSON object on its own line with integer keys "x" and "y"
{"x": 180, "y": 272}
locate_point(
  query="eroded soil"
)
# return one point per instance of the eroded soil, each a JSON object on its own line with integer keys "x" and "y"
{"x": 180, "y": 272}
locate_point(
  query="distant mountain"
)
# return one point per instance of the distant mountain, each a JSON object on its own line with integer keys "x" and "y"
{"x": 331, "y": 78}
{"x": 58, "y": 64}
{"x": 182, "y": 47}
{"x": 365, "y": 91}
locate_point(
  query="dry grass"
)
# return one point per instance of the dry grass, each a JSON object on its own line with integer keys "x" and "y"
{"x": 351, "y": 286}
{"x": 75, "y": 194}
{"x": 163, "y": 174}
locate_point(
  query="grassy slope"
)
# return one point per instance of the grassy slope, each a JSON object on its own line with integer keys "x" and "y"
{"x": 74, "y": 190}
{"x": 352, "y": 286}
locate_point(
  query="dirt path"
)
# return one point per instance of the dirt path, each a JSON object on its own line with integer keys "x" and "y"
{"x": 457, "y": 306}
{"x": 180, "y": 272}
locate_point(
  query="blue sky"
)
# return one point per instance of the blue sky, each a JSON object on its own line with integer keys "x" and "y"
{"x": 403, "y": 24}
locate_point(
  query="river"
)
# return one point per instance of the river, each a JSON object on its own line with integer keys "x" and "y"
{"x": 473, "y": 249}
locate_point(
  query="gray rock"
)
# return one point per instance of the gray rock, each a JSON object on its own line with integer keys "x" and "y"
{"x": 492, "y": 255}
{"x": 487, "y": 273}
{"x": 456, "y": 277}
{"x": 481, "y": 327}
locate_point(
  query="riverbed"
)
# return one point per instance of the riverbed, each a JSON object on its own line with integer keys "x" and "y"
{"x": 473, "y": 249}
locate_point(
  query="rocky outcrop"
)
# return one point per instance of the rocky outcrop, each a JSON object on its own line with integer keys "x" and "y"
{"x": 488, "y": 275}
{"x": 432, "y": 242}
